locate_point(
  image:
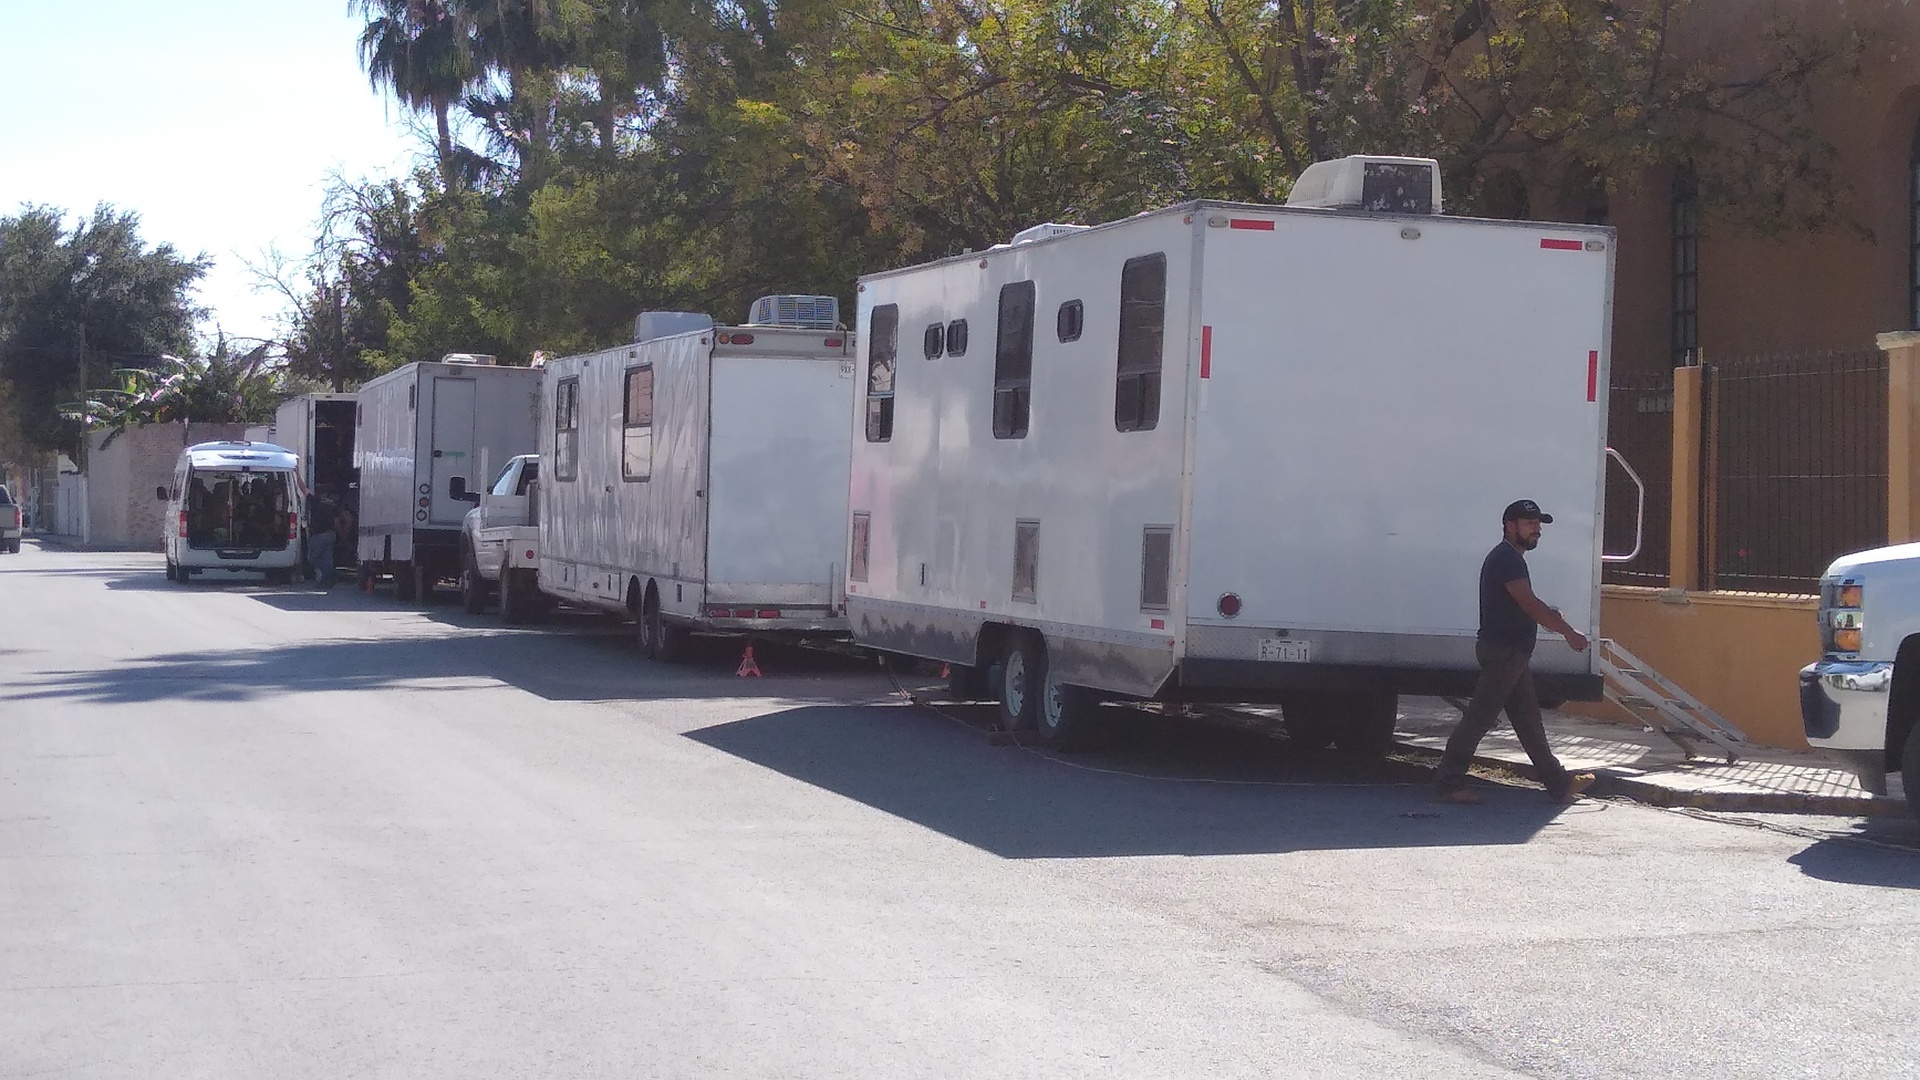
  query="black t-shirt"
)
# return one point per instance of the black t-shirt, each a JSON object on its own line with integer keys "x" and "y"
{"x": 1502, "y": 622}
{"x": 320, "y": 513}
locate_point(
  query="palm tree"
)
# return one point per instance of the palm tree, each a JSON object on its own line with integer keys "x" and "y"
{"x": 422, "y": 51}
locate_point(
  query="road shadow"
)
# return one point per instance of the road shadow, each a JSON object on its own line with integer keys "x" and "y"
{"x": 1169, "y": 787}
{"x": 553, "y": 666}
{"x": 1882, "y": 852}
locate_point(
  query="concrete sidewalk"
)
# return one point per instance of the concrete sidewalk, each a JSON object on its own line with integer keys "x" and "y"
{"x": 1643, "y": 765}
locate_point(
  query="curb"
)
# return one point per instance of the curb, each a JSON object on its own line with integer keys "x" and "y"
{"x": 1650, "y": 793}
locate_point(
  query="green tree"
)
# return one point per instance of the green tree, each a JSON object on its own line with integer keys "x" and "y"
{"x": 223, "y": 388}
{"x": 421, "y": 50}
{"x": 78, "y": 302}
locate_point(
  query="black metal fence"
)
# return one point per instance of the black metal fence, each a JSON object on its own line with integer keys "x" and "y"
{"x": 1795, "y": 462}
{"x": 1640, "y": 429}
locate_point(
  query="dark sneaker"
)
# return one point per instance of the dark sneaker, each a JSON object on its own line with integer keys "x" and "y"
{"x": 1576, "y": 783}
{"x": 1458, "y": 796}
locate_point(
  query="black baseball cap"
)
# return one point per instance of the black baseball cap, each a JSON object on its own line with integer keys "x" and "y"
{"x": 1525, "y": 509}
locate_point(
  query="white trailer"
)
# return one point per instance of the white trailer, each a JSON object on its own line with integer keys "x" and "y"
{"x": 696, "y": 480}
{"x": 424, "y": 433}
{"x": 1233, "y": 453}
{"x": 320, "y": 428}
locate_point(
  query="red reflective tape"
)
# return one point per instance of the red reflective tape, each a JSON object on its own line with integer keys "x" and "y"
{"x": 1593, "y": 376}
{"x": 1158, "y": 624}
{"x": 1206, "y": 352}
{"x": 1562, "y": 245}
{"x": 1256, "y": 224}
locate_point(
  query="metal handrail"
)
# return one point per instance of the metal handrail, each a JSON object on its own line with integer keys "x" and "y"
{"x": 1640, "y": 511}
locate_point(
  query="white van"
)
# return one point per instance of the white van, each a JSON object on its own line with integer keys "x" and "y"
{"x": 233, "y": 506}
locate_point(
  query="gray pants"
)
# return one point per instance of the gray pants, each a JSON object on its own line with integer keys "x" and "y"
{"x": 1505, "y": 683}
{"x": 320, "y": 554}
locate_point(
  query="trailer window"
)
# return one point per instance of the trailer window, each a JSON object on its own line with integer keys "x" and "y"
{"x": 883, "y": 346}
{"x": 1071, "y": 319}
{"x": 934, "y": 341}
{"x": 636, "y": 436}
{"x": 566, "y": 428}
{"x": 1143, "y": 321}
{"x": 957, "y": 338}
{"x": 1013, "y": 362}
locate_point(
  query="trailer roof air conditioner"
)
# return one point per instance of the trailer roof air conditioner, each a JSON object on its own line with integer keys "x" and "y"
{"x": 1046, "y": 231}
{"x": 468, "y": 358}
{"x": 1384, "y": 185}
{"x": 804, "y": 312}
{"x": 658, "y": 324}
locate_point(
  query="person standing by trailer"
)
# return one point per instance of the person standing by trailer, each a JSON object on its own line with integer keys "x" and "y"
{"x": 1510, "y": 615}
{"x": 323, "y": 537}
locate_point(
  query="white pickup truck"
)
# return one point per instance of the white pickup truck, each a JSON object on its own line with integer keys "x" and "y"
{"x": 500, "y": 544}
{"x": 1860, "y": 701}
{"x": 10, "y": 523}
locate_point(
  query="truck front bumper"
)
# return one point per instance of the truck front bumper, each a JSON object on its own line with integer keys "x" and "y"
{"x": 1843, "y": 707}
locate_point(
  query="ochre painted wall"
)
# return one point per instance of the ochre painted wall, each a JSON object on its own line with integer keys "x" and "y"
{"x": 1740, "y": 654}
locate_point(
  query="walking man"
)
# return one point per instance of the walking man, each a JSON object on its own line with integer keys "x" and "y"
{"x": 1509, "y": 619}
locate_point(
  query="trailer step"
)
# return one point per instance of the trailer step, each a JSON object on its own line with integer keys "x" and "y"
{"x": 1662, "y": 705}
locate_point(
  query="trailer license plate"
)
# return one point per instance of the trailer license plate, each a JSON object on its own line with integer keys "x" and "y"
{"x": 1286, "y": 652}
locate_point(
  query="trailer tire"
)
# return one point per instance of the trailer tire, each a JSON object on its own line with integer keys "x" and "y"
{"x": 1068, "y": 717}
{"x": 1308, "y": 722}
{"x": 1023, "y": 674}
{"x": 1910, "y": 771}
{"x": 404, "y": 582}
{"x": 1367, "y": 728}
{"x": 516, "y": 605}
{"x": 473, "y": 587}
{"x": 660, "y": 640}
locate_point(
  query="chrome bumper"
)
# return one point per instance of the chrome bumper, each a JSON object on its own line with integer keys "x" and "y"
{"x": 1843, "y": 704}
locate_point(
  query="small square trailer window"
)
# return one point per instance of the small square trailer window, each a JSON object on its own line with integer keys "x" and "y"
{"x": 1070, "y": 320}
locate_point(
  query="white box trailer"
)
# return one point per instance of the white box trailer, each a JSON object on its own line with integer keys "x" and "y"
{"x": 425, "y": 433}
{"x": 1233, "y": 453}
{"x": 697, "y": 480}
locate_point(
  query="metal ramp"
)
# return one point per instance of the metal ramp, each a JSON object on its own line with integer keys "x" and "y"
{"x": 1663, "y": 706}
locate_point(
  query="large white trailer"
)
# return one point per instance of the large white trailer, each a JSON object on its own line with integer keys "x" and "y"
{"x": 425, "y": 432}
{"x": 1231, "y": 452}
{"x": 696, "y": 479}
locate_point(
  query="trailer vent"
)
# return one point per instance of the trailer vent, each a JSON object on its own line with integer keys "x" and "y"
{"x": 1381, "y": 185}
{"x": 1026, "y": 562}
{"x": 804, "y": 312}
{"x": 482, "y": 359}
{"x": 1156, "y": 567}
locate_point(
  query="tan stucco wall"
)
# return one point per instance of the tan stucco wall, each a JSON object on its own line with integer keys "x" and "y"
{"x": 1739, "y": 654}
{"x": 122, "y": 471}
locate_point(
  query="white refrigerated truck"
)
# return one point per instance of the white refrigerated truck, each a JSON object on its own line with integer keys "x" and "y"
{"x": 696, "y": 479}
{"x": 424, "y": 433}
{"x": 1230, "y": 452}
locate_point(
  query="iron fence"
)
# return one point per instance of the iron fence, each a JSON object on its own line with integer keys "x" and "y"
{"x": 1795, "y": 464}
{"x": 1640, "y": 429}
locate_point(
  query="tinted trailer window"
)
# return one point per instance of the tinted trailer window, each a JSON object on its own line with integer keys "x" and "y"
{"x": 238, "y": 510}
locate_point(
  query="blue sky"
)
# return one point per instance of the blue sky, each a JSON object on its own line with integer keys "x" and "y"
{"x": 218, "y": 122}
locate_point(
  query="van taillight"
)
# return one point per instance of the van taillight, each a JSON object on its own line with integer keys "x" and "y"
{"x": 293, "y": 525}
{"x": 183, "y": 525}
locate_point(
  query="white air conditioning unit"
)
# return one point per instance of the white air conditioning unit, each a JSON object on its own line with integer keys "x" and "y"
{"x": 803, "y": 312}
{"x": 481, "y": 359}
{"x": 658, "y": 324}
{"x": 1046, "y": 231}
{"x": 1382, "y": 185}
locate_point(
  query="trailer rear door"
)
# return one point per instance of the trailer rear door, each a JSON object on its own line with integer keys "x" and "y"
{"x": 1373, "y": 391}
{"x": 451, "y": 448}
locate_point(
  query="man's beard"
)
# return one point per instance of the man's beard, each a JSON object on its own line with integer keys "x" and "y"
{"x": 1526, "y": 543}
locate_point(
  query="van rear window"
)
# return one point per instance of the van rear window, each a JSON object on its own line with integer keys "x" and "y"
{"x": 235, "y": 509}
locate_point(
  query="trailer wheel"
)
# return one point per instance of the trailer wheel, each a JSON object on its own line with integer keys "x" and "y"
{"x": 404, "y": 583}
{"x": 659, "y": 639}
{"x": 516, "y": 601}
{"x": 1367, "y": 729}
{"x": 1068, "y": 717}
{"x": 1022, "y": 681}
{"x": 1309, "y": 723}
{"x": 473, "y": 587}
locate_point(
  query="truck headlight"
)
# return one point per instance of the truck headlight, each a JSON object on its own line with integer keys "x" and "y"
{"x": 1843, "y": 619}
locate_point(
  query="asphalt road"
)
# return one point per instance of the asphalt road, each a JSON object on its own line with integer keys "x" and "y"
{"x": 259, "y": 832}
